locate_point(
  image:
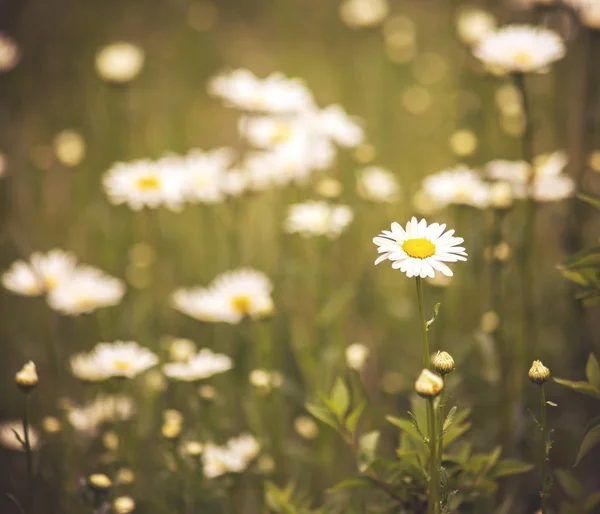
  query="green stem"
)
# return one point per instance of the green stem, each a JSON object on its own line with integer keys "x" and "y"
{"x": 28, "y": 453}
{"x": 424, "y": 340}
{"x": 545, "y": 493}
{"x": 434, "y": 481}
{"x": 440, "y": 420}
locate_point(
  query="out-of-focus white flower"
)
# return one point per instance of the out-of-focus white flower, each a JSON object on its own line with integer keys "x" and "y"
{"x": 363, "y": 13}
{"x": 103, "y": 409}
{"x": 144, "y": 183}
{"x": 232, "y": 457}
{"x": 180, "y": 349}
{"x": 203, "y": 174}
{"x": 69, "y": 147}
{"x": 9, "y": 53}
{"x": 420, "y": 250}
{"x": 460, "y": 185}
{"x": 203, "y": 365}
{"x": 472, "y": 24}
{"x": 265, "y": 379}
{"x": 514, "y": 172}
{"x": 229, "y": 298}
{"x": 9, "y": 439}
{"x": 85, "y": 290}
{"x": 520, "y": 49}
{"x": 234, "y": 182}
{"x": 276, "y": 93}
{"x": 589, "y": 13}
{"x": 377, "y": 185}
{"x": 43, "y": 272}
{"x": 356, "y": 356}
{"x": 344, "y": 130}
{"x": 318, "y": 219}
{"x": 124, "y": 359}
{"x": 119, "y": 62}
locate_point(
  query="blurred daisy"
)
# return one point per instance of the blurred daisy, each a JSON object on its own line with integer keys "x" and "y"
{"x": 181, "y": 350}
{"x": 363, "y": 13}
{"x": 234, "y": 182}
{"x": 318, "y": 219}
{"x": 343, "y": 129}
{"x": 43, "y": 273}
{"x": 233, "y": 457}
{"x": 267, "y": 131}
{"x": 356, "y": 356}
{"x": 245, "y": 446}
{"x": 85, "y": 290}
{"x": 103, "y": 409}
{"x": 420, "y": 250}
{"x": 12, "y": 431}
{"x": 230, "y": 298}
{"x": 203, "y": 365}
{"x": 203, "y": 174}
{"x": 520, "y": 49}
{"x": 144, "y": 183}
{"x": 265, "y": 379}
{"x": 460, "y": 185}
{"x": 122, "y": 359}
{"x": 377, "y": 185}
{"x": 276, "y": 93}
{"x": 472, "y": 24}
{"x": 69, "y": 147}
{"x": 9, "y": 53}
{"x": 119, "y": 62}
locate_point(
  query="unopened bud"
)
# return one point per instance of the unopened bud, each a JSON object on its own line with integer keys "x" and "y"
{"x": 99, "y": 482}
{"x": 27, "y": 378}
{"x": 539, "y": 373}
{"x": 124, "y": 505}
{"x": 171, "y": 430}
{"x": 442, "y": 363}
{"x": 429, "y": 384}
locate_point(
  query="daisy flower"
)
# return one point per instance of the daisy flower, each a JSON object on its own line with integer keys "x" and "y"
{"x": 203, "y": 365}
{"x": 520, "y": 49}
{"x": 318, "y": 219}
{"x": 144, "y": 183}
{"x": 338, "y": 126}
{"x": 85, "y": 290}
{"x": 377, "y": 185}
{"x": 203, "y": 174}
{"x": 123, "y": 359}
{"x": 420, "y": 250}
{"x": 460, "y": 185}
{"x": 232, "y": 457}
{"x": 41, "y": 274}
{"x": 8, "y": 436}
{"x": 103, "y": 409}
{"x": 119, "y": 62}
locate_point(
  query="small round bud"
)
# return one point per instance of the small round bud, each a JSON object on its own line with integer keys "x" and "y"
{"x": 429, "y": 384}
{"x": 266, "y": 464}
{"x": 539, "y": 373}
{"x": 110, "y": 440}
{"x": 490, "y": 322}
{"x": 172, "y": 416}
{"x": 442, "y": 363}
{"x": 306, "y": 427}
{"x": 123, "y": 505}
{"x": 27, "y": 378}
{"x": 99, "y": 482}
{"x": 207, "y": 392}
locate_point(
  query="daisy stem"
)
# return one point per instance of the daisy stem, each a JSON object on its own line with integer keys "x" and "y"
{"x": 544, "y": 493}
{"x": 424, "y": 340}
{"x": 433, "y": 504}
{"x": 441, "y": 419}
{"x": 28, "y": 453}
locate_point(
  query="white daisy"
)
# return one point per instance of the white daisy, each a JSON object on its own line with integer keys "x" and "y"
{"x": 103, "y": 409}
{"x": 363, "y": 13}
{"x": 203, "y": 174}
{"x": 144, "y": 183}
{"x": 245, "y": 445}
{"x": 520, "y": 49}
{"x": 377, "y": 185}
{"x": 41, "y": 274}
{"x": 472, "y": 24}
{"x": 119, "y": 62}
{"x": 234, "y": 182}
{"x": 124, "y": 359}
{"x": 232, "y": 457}
{"x": 420, "y": 250}
{"x": 356, "y": 356}
{"x": 341, "y": 128}
{"x": 9, "y": 439}
{"x": 460, "y": 185}
{"x": 203, "y": 365}
{"x": 268, "y": 131}
{"x": 231, "y": 297}
{"x": 85, "y": 290}
{"x": 318, "y": 219}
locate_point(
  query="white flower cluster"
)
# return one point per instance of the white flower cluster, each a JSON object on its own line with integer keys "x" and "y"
{"x": 232, "y": 457}
{"x": 318, "y": 219}
{"x": 103, "y": 409}
{"x": 121, "y": 359}
{"x": 70, "y": 288}
{"x": 231, "y": 297}
{"x": 378, "y": 185}
{"x": 203, "y": 365}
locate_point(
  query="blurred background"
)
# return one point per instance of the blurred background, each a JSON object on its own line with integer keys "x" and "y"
{"x": 425, "y": 105}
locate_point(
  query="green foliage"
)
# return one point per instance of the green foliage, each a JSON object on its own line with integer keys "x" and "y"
{"x": 591, "y": 387}
{"x": 287, "y": 500}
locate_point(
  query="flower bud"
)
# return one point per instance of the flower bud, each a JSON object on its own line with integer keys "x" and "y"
{"x": 123, "y": 505}
{"x": 171, "y": 430}
{"x": 429, "y": 384}
{"x": 538, "y": 373}
{"x": 27, "y": 378}
{"x": 442, "y": 363}
{"x": 99, "y": 482}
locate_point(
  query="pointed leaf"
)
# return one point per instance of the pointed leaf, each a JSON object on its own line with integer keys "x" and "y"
{"x": 591, "y": 502}
{"x": 354, "y": 417}
{"x": 579, "y": 386}
{"x": 350, "y": 483}
{"x": 507, "y": 467}
{"x": 591, "y": 439}
{"x": 436, "y": 310}
{"x": 324, "y": 415}
{"x": 405, "y": 425}
{"x": 592, "y": 371}
{"x": 570, "y": 484}
{"x": 340, "y": 398}
{"x": 449, "y": 418}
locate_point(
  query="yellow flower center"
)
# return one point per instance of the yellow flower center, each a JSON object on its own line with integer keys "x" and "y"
{"x": 241, "y": 304}
{"x": 148, "y": 183}
{"x": 122, "y": 365}
{"x": 50, "y": 282}
{"x": 523, "y": 58}
{"x": 419, "y": 248}
{"x": 282, "y": 133}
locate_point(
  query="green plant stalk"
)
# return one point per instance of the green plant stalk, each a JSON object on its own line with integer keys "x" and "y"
{"x": 434, "y": 481}
{"x": 424, "y": 340}
{"x": 544, "y": 493}
{"x": 440, "y": 420}
{"x": 28, "y": 453}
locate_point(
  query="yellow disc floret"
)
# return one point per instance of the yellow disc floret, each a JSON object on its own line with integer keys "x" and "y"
{"x": 419, "y": 248}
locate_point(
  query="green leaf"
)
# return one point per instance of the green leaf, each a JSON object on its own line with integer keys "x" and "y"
{"x": 323, "y": 414}
{"x": 508, "y": 467}
{"x": 449, "y": 418}
{"x": 594, "y": 202}
{"x": 354, "y": 417}
{"x": 592, "y": 500}
{"x": 592, "y": 371}
{"x": 367, "y": 446}
{"x": 579, "y": 386}
{"x": 570, "y": 484}
{"x": 436, "y": 310}
{"x": 340, "y": 398}
{"x": 455, "y": 432}
{"x": 575, "y": 276}
{"x": 591, "y": 439}
{"x": 407, "y": 426}
{"x": 350, "y": 483}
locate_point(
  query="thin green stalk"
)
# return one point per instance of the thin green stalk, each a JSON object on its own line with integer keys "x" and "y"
{"x": 434, "y": 481}
{"x": 545, "y": 493}
{"x": 424, "y": 340}
{"x": 28, "y": 453}
{"x": 441, "y": 419}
